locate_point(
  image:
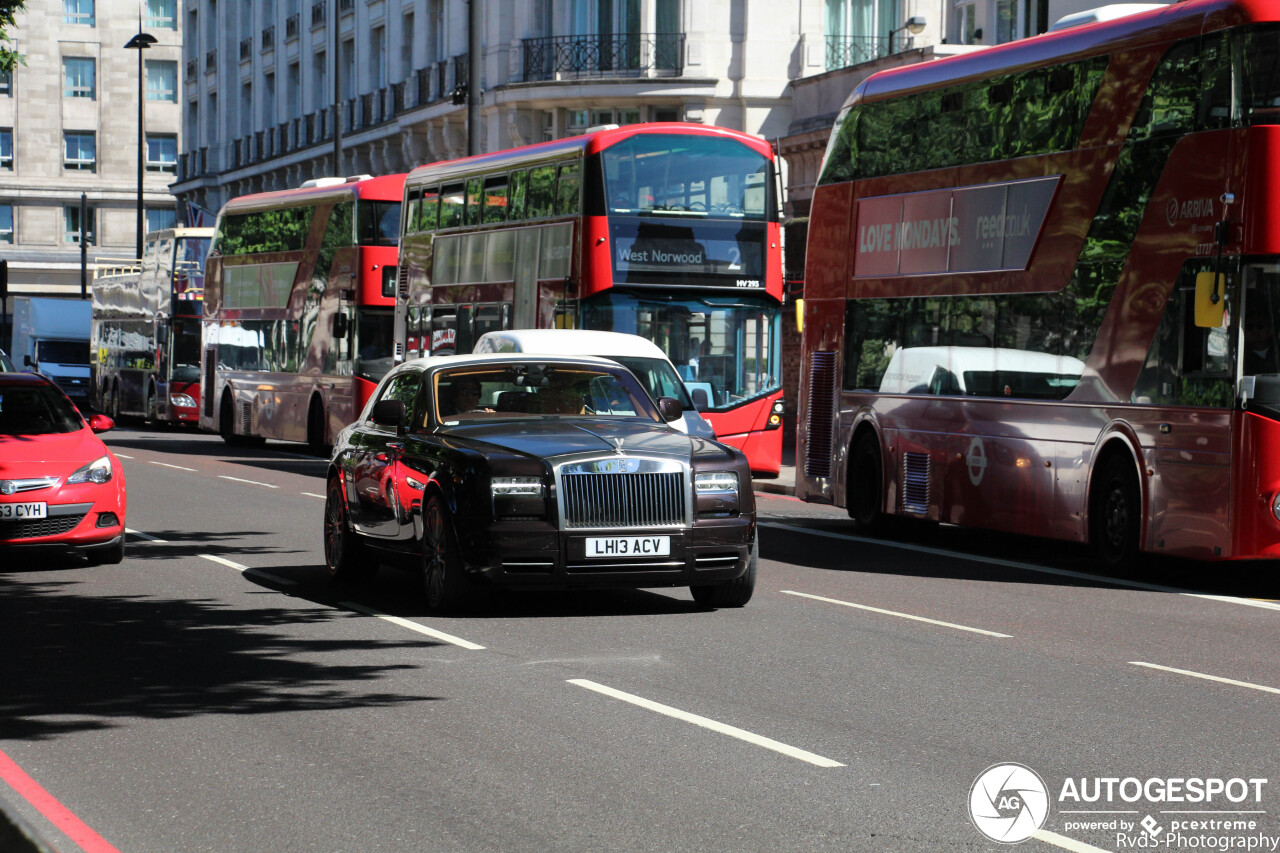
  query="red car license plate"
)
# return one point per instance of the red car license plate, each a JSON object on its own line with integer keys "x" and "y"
{"x": 30, "y": 510}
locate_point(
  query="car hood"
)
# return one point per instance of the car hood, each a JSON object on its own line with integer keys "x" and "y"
{"x": 576, "y": 436}
{"x": 48, "y": 455}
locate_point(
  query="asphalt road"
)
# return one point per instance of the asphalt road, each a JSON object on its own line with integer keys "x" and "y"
{"x": 215, "y": 693}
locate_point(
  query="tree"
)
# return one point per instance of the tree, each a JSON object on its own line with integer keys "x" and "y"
{"x": 9, "y": 58}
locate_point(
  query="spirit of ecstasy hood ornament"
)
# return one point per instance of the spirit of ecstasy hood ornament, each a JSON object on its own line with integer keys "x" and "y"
{"x": 617, "y": 446}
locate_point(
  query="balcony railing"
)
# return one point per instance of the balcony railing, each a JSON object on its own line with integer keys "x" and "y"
{"x": 318, "y": 13}
{"x": 246, "y": 49}
{"x": 269, "y": 37}
{"x": 626, "y": 55}
{"x": 291, "y": 27}
{"x": 211, "y": 61}
{"x": 844, "y": 51}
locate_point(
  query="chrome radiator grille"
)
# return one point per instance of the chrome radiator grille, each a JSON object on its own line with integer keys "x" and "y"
{"x": 623, "y": 500}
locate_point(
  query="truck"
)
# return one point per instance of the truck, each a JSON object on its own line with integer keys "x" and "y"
{"x": 51, "y": 337}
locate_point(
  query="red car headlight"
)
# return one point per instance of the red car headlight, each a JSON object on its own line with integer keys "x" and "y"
{"x": 97, "y": 471}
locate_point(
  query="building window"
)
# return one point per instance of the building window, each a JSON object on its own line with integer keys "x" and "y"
{"x": 1006, "y": 21}
{"x": 71, "y": 224}
{"x": 161, "y": 218}
{"x": 77, "y": 12}
{"x": 966, "y": 24}
{"x": 6, "y": 83}
{"x": 6, "y": 223}
{"x": 78, "y": 77}
{"x": 162, "y": 80}
{"x": 162, "y": 152}
{"x": 162, "y": 14}
{"x": 80, "y": 151}
{"x": 6, "y": 149}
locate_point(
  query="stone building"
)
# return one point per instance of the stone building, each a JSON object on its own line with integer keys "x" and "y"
{"x": 69, "y": 128}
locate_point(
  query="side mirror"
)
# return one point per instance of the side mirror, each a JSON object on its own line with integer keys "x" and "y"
{"x": 26, "y": 361}
{"x": 389, "y": 413}
{"x": 670, "y": 409}
{"x": 1211, "y": 299}
{"x": 162, "y": 334}
{"x": 101, "y": 423}
{"x": 339, "y": 326}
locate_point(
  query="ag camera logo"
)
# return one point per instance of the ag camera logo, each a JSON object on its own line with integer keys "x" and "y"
{"x": 1008, "y": 803}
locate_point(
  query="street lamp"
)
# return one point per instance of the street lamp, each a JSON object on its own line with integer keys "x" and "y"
{"x": 140, "y": 42}
{"x": 914, "y": 25}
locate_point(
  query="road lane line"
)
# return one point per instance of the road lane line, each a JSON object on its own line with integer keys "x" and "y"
{"x": 59, "y": 815}
{"x": 250, "y": 482}
{"x": 412, "y": 626}
{"x": 1217, "y": 678}
{"x": 313, "y": 495}
{"x": 145, "y": 536}
{"x": 169, "y": 465}
{"x": 248, "y": 570}
{"x": 899, "y": 615}
{"x": 722, "y": 728}
{"x": 1066, "y": 843}
{"x": 123, "y": 456}
{"x": 1028, "y": 567}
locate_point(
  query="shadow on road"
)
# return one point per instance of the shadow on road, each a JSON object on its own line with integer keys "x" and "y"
{"x": 74, "y": 660}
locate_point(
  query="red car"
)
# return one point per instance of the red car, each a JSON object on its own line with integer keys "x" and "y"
{"x": 60, "y": 487}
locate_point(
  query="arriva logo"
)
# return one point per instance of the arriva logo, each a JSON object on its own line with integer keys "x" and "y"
{"x": 1008, "y": 803}
{"x": 1198, "y": 208}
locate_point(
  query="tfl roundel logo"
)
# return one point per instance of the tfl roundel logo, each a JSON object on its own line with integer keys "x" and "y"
{"x": 1008, "y": 803}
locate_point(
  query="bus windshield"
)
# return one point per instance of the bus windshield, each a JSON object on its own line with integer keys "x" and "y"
{"x": 374, "y": 343}
{"x": 378, "y": 223}
{"x": 726, "y": 349}
{"x": 682, "y": 176}
{"x": 188, "y": 268}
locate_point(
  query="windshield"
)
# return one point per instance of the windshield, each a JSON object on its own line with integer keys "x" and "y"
{"x": 687, "y": 176}
{"x": 63, "y": 352}
{"x": 539, "y": 390}
{"x": 657, "y": 376}
{"x": 186, "y": 350}
{"x": 188, "y": 271}
{"x": 374, "y": 342}
{"x": 379, "y": 223}
{"x": 36, "y": 410}
{"x": 727, "y": 350}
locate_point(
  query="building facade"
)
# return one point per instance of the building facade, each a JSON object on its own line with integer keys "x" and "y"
{"x": 258, "y": 79}
{"x": 70, "y": 137}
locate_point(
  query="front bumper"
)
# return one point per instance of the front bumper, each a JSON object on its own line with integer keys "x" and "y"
{"x": 535, "y": 555}
{"x": 69, "y": 527}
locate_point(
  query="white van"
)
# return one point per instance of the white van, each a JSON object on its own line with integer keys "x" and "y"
{"x": 643, "y": 358}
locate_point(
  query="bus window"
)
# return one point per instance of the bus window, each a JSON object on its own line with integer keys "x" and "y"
{"x": 428, "y": 211}
{"x": 495, "y": 199}
{"x": 451, "y": 204}
{"x": 519, "y": 191}
{"x": 542, "y": 188}
{"x": 413, "y": 200}
{"x": 378, "y": 223}
{"x": 475, "y": 191}
{"x": 568, "y": 189}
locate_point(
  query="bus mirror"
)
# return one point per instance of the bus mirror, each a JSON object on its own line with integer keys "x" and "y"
{"x": 339, "y": 326}
{"x": 1210, "y": 299}
{"x": 162, "y": 334}
{"x": 800, "y": 315}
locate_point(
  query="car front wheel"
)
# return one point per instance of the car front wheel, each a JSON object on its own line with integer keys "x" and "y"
{"x": 733, "y": 593}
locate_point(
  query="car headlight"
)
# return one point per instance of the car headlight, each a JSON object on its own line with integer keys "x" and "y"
{"x": 518, "y": 497}
{"x": 716, "y": 492}
{"x": 517, "y": 486}
{"x": 183, "y": 400}
{"x": 97, "y": 471}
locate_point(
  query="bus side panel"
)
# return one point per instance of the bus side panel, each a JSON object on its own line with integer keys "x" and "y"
{"x": 1257, "y": 481}
{"x": 745, "y": 428}
{"x": 1187, "y": 457}
{"x": 1261, "y": 207}
{"x": 826, "y": 274}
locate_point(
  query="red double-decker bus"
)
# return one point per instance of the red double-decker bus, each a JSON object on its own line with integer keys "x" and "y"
{"x": 298, "y": 309}
{"x": 669, "y": 231}
{"x": 1043, "y": 289}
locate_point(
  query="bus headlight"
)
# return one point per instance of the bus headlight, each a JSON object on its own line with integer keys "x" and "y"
{"x": 716, "y": 492}
{"x": 97, "y": 471}
{"x": 518, "y": 496}
{"x": 182, "y": 400}
{"x": 775, "y": 416}
{"x": 1275, "y": 506}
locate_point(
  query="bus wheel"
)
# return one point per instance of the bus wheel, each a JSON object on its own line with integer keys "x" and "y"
{"x": 152, "y": 414}
{"x": 113, "y": 403}
{"x": 734, "y": 593}
{"x": 866, "y": 486}
{"x": 446, "y": 588}
{"x": 1115, "y": 513}
{"x": 344, "y": 553}
{"x": 316, "y": 428}
{"x": 227, "y": 420}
